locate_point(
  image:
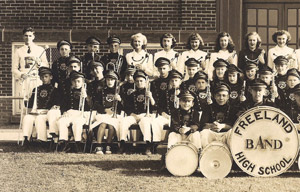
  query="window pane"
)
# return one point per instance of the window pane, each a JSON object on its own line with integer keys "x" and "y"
{"x": 262, "y": 17}
{"x": 273, "y": 18}
{"x": 292, "y": 16}
{"x": 293, "y": 32}
{"x": 251, "y": 17}
{"x": 262, "y": 31}
{"x": 251, "y": 29}
{"x": 271, "y": 32}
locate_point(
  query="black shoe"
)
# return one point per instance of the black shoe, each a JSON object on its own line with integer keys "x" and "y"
{"x": 122, "y": 147}
{"x": 77, "y": 147}
{"x": 148, "y": 148}
{"x": 26, "y": 144}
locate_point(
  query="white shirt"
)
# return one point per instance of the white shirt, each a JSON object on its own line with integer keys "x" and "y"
{"x": 171, "y": 55}
{"x": 220, "y": 55}
{"x": 21, "y": 57}
{"x": 145, "y": 59}
{"x": 198, "y": 55}
{"x": 281, "y": 51}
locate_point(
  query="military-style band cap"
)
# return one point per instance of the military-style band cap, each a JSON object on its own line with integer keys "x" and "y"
{"x": 44, "y": 70}
{"x": 233, "y": 69}
{"x": 76, "y": 75}
{"x": 111, "y": 74}
{"x": 95, "y": 64}
{"x": 186, "y": 95}
{"x": 220, "y": 63}
{"x": 113, "y": 39}
{"x": 222, "y": 87}
{"x": 251, "y": 65}
{"x": 265, "y": 70}
{"x": 192, "y": 62}
{"x": 258, "y": 83}
{"x": 139, "y": 73}
{"x": 281, "y": 60}
{"x": 200, "y": 75}
{"x": 161, "y": 61}
{"x": 175, "y": 74}
{"x": 93, "y": 41}
{"x": 63, "y": 42}
{"x": 293, "y": 72}
{"x": 73, "y": 59}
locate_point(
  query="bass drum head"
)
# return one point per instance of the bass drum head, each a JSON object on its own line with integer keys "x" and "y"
{"x": 182, "y": 159}
{"x": 264, "y": 142}
{"x": 215, "y": 161}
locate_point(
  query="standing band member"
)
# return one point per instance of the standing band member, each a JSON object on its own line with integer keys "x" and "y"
{"x": 93, "y": 46}
{"x": 114, "y": 60}
{"x": 139, "y": 58}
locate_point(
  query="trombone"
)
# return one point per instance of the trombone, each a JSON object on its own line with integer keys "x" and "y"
{"x": 147, "y": 99}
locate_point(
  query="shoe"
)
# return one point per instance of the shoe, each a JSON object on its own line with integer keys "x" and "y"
{"x": 148, "y": 152}
{"x": 99, "y": 150}
{"x": 108, "y": 151}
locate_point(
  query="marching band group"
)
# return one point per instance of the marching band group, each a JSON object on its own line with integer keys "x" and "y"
{"x": 198, "y": 95}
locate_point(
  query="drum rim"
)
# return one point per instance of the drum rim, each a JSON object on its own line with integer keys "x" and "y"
{"x": 262, "y": 108}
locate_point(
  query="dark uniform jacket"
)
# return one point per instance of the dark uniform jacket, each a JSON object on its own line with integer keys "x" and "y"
{"x": 188, "y": 85}
{"x": 60, "y": 73}
{"x": 252, "y": 55}
{"x": 47, "y": 97}
{"x": 293, "y": 112}
{"x": 180, "y": 118}
{"x": 235, "y": 93}
{"x": 105, "y": 99}
{"x": 93, "y": 90}
{"x": 200, "y": 102}
{"x": 249, "y": 103}
{"x": 159, "y": 87}
{"x": 86, "y": 67}
{"x": 72, "y": 100}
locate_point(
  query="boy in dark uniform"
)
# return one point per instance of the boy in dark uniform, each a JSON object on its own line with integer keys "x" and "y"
{"x": 137, "y": 109}
{"x": 72, "y": 114}
{"x": 47, "y": 97}
{"x": 193, "y": 66}
{"x": 281, "y": 66}
{"x": 293, "y": 111}
{"x": 99, "y": 81}
{"x": 219, "y": 117}
{"x": 287, "y": 98}
{"x": 203, "y": 92}
{"x": 236, "y": 84}
{"x": 251, "y": 69}
{"x": 93, "y": 44}
{"x": 185, "y": 122}
{"x": 266, "y": 74}
{"x": 108, "y": 116}
{"x": 220, "y": 68}
{"x": 114, "y": 60}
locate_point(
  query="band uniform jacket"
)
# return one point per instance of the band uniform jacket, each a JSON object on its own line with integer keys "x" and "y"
{"x": 47, "y": 97}
{"x": 159, "y": 87}
{"x": 247, "y": 54}
{"x": 180, "y": 118}
{"x": 93, "y": 90}
{"x": 189, "y": 85}
{"x": 200, "y": 101}
{"x": 72, "y": 100}
{"x": 60, "y": 72}
{"x": 116, "y": 59}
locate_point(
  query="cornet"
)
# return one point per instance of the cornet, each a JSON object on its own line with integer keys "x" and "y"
{"x": 147, "y": 99}
{"x": 82, "y": 99}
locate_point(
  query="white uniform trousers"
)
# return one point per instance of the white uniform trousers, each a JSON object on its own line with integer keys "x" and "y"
{"x": 52, "y": 116}
{"x": 109, "y": 120}
{"x": 208, "y": 136}
{"x": 158, "y": 125}
{"x": 74, "y": 118}
{"x": 144, "y": 123}
{"x": 194, "y": 138}
{"x": 40, "y": 125}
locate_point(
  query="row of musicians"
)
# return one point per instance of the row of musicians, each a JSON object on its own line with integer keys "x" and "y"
{"x": 218, "y": 100}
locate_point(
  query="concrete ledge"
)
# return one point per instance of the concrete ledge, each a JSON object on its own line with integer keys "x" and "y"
{"x": 10, "y": 134}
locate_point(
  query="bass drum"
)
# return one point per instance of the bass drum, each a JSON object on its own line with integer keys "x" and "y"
{"x": 264, "y": 142}
{"x": 215, "y": 160}
{"x": 182, "y": 159}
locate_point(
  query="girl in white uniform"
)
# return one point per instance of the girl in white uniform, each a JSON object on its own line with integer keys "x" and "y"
{"x": 139, "y": 57}
{"x": 224, "y": 50}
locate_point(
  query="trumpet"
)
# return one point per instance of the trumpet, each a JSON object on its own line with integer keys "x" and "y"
{"x": 208, "y": 93}
{"x": 34, "y": 106}
{"x": 147, "y": 100}
{"x": 82, "y": 99}
{"x": 115, "y": 104}
{"x": 176, "y": 100}
{"x": 274, "y": 93}
{"x": 243, "y": 91}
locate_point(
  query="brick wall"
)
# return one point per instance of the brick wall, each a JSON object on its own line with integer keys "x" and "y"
{"x": 75, "y": 20}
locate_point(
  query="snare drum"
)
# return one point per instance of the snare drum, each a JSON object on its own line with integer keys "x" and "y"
{"x": 215, "y": 160}
{"x": 182, "y": 159}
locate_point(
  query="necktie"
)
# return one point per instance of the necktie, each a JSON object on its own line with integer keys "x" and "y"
{"x": 28, "y": 51}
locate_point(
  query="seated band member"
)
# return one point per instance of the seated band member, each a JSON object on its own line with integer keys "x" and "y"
{"x": 76, "y": 110}
{"x": 93, "y": 45}
{"x": 114, "y": 60}
{"x": 203, "y": 91}
{"x": 185, "y": 122}
{"x": 218, "y": 118}
{"x": 266, "y": 74}
{"x": 167, "y": 42}
{"x": 46, "y": 98}
{"x": 137, "y": 108}
{"x": 109, "y": 110}
{"x": 139, "y": 58}
{"x": 192, "y": 67}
